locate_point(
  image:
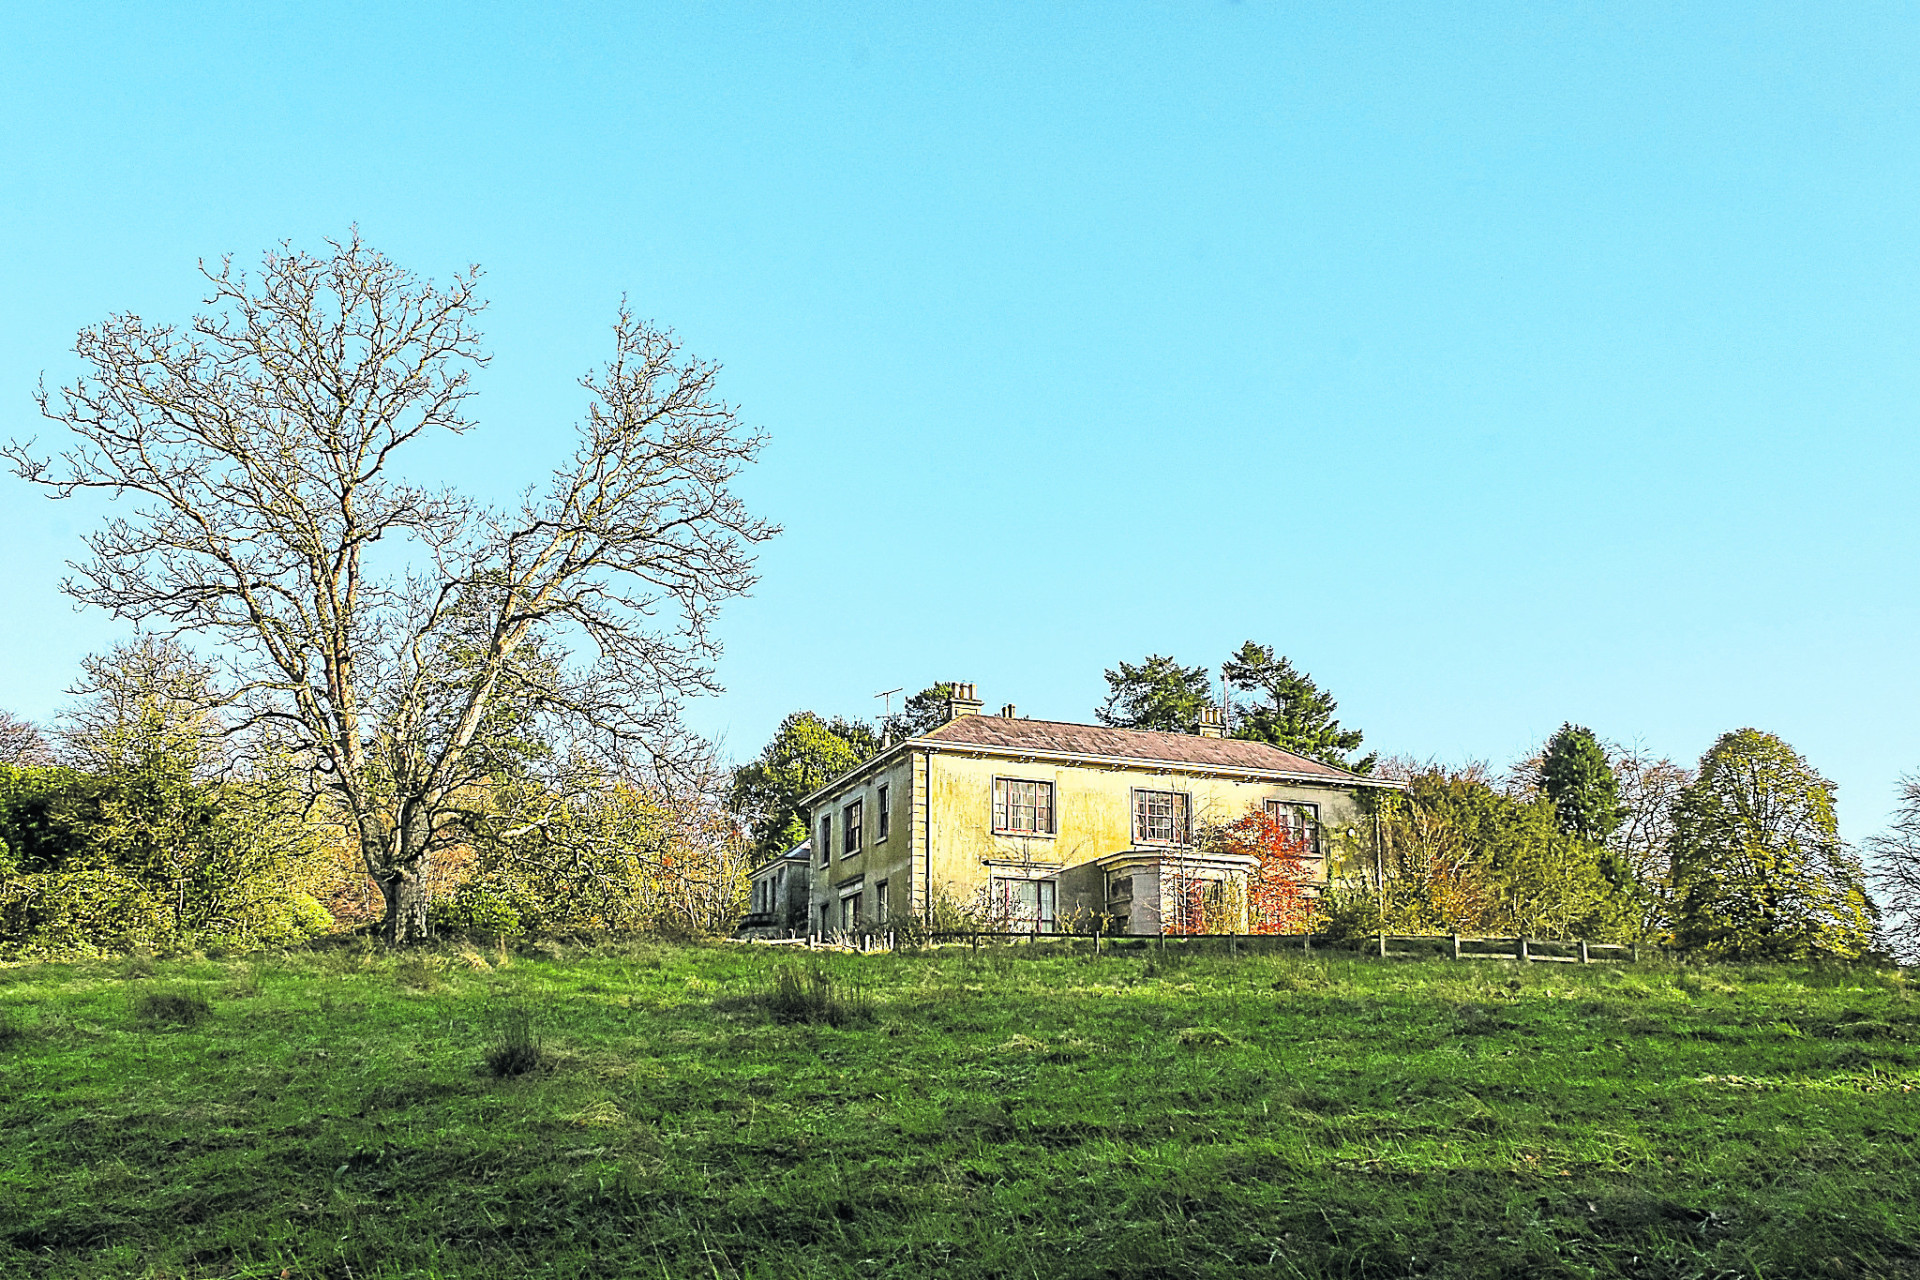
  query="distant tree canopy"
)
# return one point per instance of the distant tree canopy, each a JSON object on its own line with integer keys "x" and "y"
{"x": 1758, "y": 866}
{"x": 21, "y": 742}
{"x": 806, "y": 753}
{"x": 1157, "y": 693}
{"x": 1288, "y": 710}
{"x": 1576, "y": 777}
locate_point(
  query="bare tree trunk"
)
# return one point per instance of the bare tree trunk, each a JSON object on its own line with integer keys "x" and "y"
{"x": 398, "y": 862}
{"x": 406, "y": 918}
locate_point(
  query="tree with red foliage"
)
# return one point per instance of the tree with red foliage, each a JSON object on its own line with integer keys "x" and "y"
{"x": 1277, "y": 901}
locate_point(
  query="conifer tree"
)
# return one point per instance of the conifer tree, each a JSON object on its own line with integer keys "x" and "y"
{"x": 1290, "y": 711}
{"x": 1575, "y": 775}
{"x": 1158, "y": 694}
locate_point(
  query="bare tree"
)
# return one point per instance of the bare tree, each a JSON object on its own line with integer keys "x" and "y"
{"x": 408, "y": 641}
{"x": 1895, "y": 858}
{"x": 22, "y": 742}
{"x": 1648, "y": 788}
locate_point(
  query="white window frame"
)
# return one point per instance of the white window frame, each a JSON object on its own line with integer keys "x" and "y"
{"x": 884, "y": 826}
{"x": 1183, "y": 820}
{"x": 852, "y": 828}
{"x": 1046, "y": 902}
{"x": 1003, "y": 807}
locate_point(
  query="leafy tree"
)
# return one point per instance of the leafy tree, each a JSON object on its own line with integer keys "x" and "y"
{"x": 1896, "y": 873}
{"x": 1289, "y": 710}
{"x": 260, "y": 447}
{"x": 1462, "y": 856}
{"x": 1276, "y": 896}
{"x": 805, "y": 754}
{"x": 1158, "y": 693}
{"x": 579, "y": 851}
{"x": 1576, "y": 777}
{"x": 161, "y": 839}
{"x": 922, "y": 713}
{"x": 1759, "y": 869}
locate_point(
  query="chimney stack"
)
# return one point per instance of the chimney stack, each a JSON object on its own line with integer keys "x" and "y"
{"x": 1007, "y": 712}
{"x": 1211, "y": 724}
{"x": 962, "y": 701}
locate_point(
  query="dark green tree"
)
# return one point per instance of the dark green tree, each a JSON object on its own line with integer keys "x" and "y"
{"x": 922, "y": 713}
{"x": 1759, "y": 869}
{"x": 1158, "y": 693}
{"x": 1288, "y": 710}
{"x": 1575, "y": 776}
{"x": 805, "y": 754}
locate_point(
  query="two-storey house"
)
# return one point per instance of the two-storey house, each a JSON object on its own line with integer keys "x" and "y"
{"x": 1054, "y": 822}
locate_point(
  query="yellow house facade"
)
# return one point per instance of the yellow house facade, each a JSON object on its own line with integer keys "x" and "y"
{"x": 1048, "y": 825}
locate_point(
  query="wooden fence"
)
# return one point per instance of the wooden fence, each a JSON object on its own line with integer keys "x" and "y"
{"x": 1443, "y": 946}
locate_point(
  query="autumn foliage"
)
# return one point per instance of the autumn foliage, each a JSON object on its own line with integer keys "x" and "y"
{"x": 1274, "y": 893}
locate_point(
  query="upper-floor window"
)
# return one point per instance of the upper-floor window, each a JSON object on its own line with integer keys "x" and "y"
{"x": 1160, "y": 817}
{"x": 826, "y": 837}
{"x": 850, "y": 830}
{"x": 1023, "y": 807}
{"x": 1300, "y": 819}
{"x": 885, "y": 815}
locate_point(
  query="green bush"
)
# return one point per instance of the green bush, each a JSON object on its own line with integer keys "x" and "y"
{"x": 478, "y": 909}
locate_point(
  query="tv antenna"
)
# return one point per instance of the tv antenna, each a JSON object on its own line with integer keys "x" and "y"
{"x": 886, "y": 708}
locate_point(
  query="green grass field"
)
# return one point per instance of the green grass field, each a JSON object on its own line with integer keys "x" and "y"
{"x": 331, "y": 1113}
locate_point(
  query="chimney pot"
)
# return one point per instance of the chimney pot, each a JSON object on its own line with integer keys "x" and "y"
{"x": 1211, "y": 724}
{"x": 1007, "y": 712}
{"x": 962, "y": 702}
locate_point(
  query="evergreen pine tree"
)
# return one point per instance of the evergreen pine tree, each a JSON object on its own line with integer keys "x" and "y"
{"x": 1575, "y": 775}
{"x": 1290, "y": 711}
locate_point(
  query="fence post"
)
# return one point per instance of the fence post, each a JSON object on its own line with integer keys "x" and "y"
{"x": 1636, "y": 953}
{"x": 1383, "y": 944}
{"x": 1584, "y": 958}
{"x": 1306, "y": 945}
{"x": 1523, "y": 949}
{"x": 1456, "y": 946}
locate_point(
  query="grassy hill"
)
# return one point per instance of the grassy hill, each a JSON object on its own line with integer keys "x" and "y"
{"x": 696, "y": 1111}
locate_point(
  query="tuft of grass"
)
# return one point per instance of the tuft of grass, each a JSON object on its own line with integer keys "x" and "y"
{"x": 11, "y": 1032}
{"x": 415, "y": 972}
{"x": 516, "y": 1046}
{"x": 815, "y": 997}
{"x": 169, "y": 1008}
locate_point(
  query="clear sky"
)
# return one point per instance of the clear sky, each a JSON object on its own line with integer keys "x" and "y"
{"x": 1501, "y": 364}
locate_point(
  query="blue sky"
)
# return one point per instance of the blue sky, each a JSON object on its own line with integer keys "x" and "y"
{"x": 1503, "y": 365}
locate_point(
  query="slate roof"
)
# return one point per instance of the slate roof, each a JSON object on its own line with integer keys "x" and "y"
{"x": 999, "y": 733}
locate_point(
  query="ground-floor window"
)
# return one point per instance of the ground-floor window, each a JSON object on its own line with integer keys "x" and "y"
{"x": 880, "y": 902}
{"x": 850, "y": 912}
{"x": 1027, "y": 904}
